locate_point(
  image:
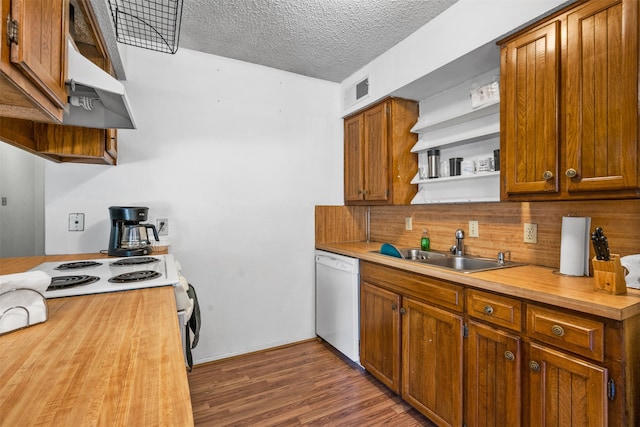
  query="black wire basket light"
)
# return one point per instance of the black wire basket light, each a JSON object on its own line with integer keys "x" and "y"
{"x": 150, "y": 24}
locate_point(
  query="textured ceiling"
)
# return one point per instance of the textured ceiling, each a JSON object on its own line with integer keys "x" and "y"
{"x": 326, "y": 39}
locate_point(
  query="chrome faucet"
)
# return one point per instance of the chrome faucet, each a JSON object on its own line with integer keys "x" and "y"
{"x": 458, "y": 249}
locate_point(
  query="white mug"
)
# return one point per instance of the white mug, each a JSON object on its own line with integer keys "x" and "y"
{"x": 467, "y": 167}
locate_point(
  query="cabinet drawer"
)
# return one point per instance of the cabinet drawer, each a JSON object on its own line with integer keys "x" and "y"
{"x": 573, "y": 333}
{"x": 495, "y": 309}
{"x": 429, "y": 289}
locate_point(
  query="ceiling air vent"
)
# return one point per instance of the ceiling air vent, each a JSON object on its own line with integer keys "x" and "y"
{"x": 356, "y": 92}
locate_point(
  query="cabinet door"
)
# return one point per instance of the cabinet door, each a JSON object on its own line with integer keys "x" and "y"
{"x": 530, "y": 90}
{"x": 601, "y": 96}
{"x": 432, "y": 362}
{"x": 76, "y": 144}
{"x": 376, "y": 155}
{"x": 565, "y": 391}
{"x": 493, "y": 377}
{"x": 353, "y": 158}
{"x": 40, "y": 51}
{"x": 380, "y": 334}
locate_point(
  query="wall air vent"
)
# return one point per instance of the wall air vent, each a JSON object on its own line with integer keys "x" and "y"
{"x": 356, "y": 92}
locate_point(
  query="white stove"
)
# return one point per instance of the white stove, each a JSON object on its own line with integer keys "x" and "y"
{"x": 102, "y": 275}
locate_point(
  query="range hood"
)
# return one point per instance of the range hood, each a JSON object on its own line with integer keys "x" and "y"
{"x": 96, "y": 99}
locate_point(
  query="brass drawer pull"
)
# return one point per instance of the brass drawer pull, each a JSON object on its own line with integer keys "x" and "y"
{"x": 509, "y": 356}
{"x": 534, "y": 366}
{"x": 557, "y": 330}
{"x": 488, "y": 309}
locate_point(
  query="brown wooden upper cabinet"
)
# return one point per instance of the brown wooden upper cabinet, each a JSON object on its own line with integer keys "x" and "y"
{"x": 33, "y": 59}
{"x": 569, "y": 122}
{"x": 378, "y": 163}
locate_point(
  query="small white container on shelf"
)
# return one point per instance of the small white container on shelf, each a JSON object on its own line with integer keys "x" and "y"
{"x": 486, "y": 94}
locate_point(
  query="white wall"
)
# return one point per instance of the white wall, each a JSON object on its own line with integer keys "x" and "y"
{"x": 459, "y": 30}
{"x": 236, "y": 156}
{"x": 22, "y": 218}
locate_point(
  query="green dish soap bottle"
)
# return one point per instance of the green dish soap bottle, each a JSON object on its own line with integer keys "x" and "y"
{"x": 425, "y": 244}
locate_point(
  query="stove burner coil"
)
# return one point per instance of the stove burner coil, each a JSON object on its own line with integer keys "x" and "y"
{"x": 135, "y": 276}
{"x": 66, "y": 282}
{"x": 77, "y": 265}
{"x": 135, "y": 261}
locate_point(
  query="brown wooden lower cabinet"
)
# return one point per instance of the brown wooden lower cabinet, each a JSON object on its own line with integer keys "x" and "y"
{"x": 565, "y": 390}
{"x": 430, "y": 343}
{"x": 380, "y": 334}
{"x": 518, "y": 364}
{"x": 493, "y": 384}
{"x": 432, "y": 361}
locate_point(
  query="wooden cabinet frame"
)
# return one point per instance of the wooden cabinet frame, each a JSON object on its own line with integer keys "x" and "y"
{"x": 506, "y": 369}
{"x": 570, "y": 87}
{"x": 378, "y": 163}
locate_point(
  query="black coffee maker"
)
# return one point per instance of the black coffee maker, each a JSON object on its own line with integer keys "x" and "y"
{"x": 128, "y": 236}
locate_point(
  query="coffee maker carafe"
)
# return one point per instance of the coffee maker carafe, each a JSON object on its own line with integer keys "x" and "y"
{"x": 128, "y": 236}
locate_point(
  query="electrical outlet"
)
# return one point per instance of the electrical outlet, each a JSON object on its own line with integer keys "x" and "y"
{"x": 473, "y": 229}
{"x": 162, "y": 226}
{"x": 408, "y": 223}
{"x": 530, "y": 233}
{"x": 76, "y": 222}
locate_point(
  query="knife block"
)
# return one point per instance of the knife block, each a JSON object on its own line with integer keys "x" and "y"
{"x": 609, "y": 275}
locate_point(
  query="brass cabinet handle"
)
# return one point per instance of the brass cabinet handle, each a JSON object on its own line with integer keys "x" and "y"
{"x": 534, "y": 366}
{"x": 547, "y": 175}
{"x": 557, "y": 330}
{"x": 403, "y": 311}
{"x": 571, "y": 173}
{"x": 509, "y": 356}
{"x": 394, "y": 306}
{"x": 488, "y": 309}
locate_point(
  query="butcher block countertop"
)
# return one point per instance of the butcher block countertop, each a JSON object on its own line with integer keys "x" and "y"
{"x": 105, "y": 359}
{"x": 535, "y": 283}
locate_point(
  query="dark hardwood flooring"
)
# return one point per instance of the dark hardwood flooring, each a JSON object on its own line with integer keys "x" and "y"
{"x": 307, "y": 383}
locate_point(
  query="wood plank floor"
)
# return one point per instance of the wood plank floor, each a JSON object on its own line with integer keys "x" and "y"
{"x": 308, "y": 383}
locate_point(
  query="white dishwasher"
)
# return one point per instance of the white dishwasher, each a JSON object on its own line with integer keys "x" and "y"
{"x": 338, "y": 302}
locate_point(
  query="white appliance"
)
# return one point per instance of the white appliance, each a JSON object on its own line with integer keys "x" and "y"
{"x": 161, "y": 270}
{"x": 338, "y": 302}
{"x": 102, "y": 275}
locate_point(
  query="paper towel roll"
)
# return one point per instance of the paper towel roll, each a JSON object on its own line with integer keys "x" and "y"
{"x": 574, "y": 246}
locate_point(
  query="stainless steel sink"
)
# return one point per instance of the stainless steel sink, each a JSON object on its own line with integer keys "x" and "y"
{"x": 464, "y": 264}
{"x": 420, "y": 255}
{"x": 461, "y": 264}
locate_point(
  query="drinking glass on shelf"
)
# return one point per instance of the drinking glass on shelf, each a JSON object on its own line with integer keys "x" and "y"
{"x": 444, "y": 168}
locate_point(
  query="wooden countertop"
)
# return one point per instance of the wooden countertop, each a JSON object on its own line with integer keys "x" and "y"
{"x": 530, "y": 282}
{"x": 104, "y": 359}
